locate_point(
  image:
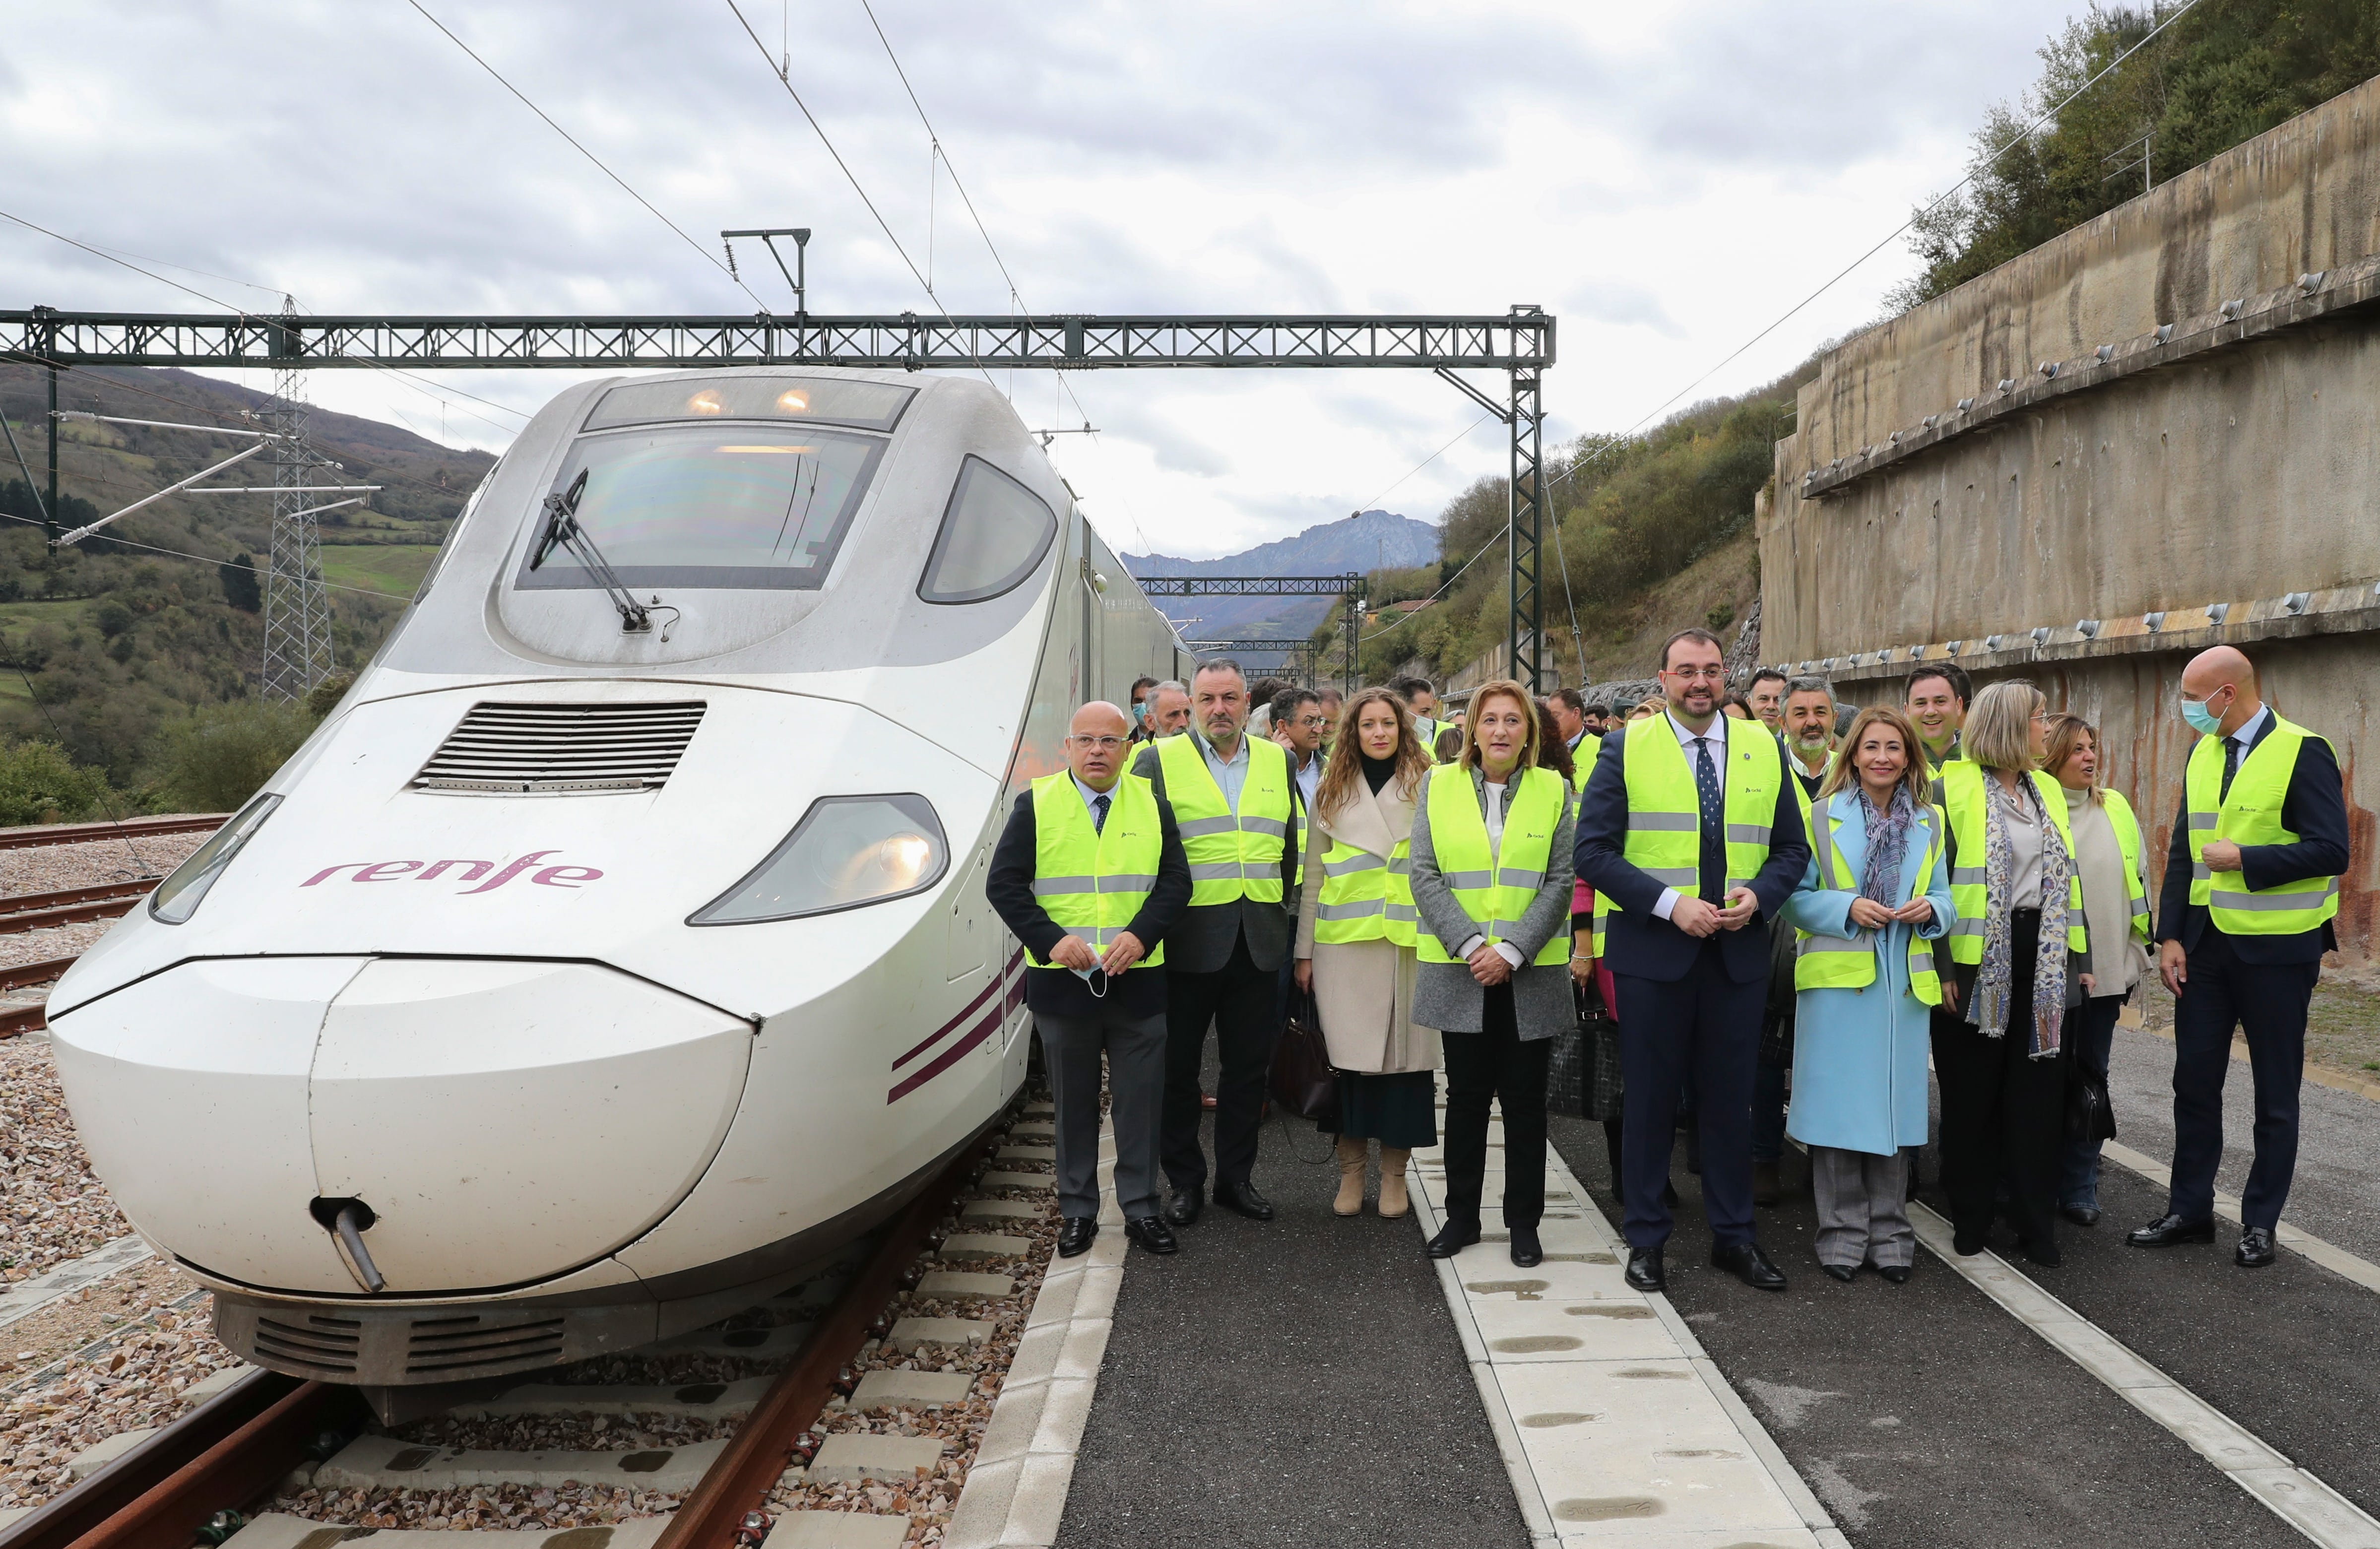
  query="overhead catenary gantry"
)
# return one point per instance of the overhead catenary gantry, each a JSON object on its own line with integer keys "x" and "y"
{"x": 1519, "y": 342}
{"x": 1349, "y": 587}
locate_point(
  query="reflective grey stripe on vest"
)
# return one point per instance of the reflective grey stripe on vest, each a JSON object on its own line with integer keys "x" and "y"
{"x": 1865, "y": 943}
{"x": 1968, "y": 927}
{"x": 1200, "y": 828}
{"x": 1502, "y": 930}
{"x": 1216, "y": 871}
{"x": 2141, "y": 905}
{"x": 1966, "y": 876}
{"x": 1272, "y": 825}
{"x": 1468, "y": 879}
{"x": 1360, "y": 909}
{"x": 1127, "y": 882}
{"x": 1747, "y": 833}
{"x": 1663, "y": 822}
{"x": 1672, "y": 875}
{"x": 1044, "y": 886}
{"x": 2199, "y": 871}
{"x": 2308, "y": 899}
{"x": 2201, "y": 820}
{"x": 1506, "y": 876}
{"x": 1363, "y": 860}
{"x": 1404, "y": 912}
{"x": 1400, "y": 865}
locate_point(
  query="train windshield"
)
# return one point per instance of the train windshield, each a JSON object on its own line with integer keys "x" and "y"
{"x": 727, "y": 505}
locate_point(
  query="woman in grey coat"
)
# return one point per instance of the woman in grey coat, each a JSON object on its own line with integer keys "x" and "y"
{"x": 1494, "y": 975}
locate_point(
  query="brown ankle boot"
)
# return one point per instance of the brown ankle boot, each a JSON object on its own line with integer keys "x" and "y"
{"x": 1394, "y": 1202}
{"x": 1352, "y": 1154}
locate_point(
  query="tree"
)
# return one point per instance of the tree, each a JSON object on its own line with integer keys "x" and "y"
{"x": 239, "y": 582}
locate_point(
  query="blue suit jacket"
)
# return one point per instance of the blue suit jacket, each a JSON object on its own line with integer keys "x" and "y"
{"x": 1638, "y": 942}
{"x": 2313, "y": 808}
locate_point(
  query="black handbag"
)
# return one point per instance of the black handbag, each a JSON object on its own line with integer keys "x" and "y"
{"x": 1597, "y": 1043}
{"x": 1303, "y": 1081}
{"x": 2089, "y": 1117}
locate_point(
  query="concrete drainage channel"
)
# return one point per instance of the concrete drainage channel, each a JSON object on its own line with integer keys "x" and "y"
{"x": 853, "y": 1406}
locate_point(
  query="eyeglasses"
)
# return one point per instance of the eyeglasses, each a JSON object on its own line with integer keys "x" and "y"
{"x": 1104, "y": 744}
{"x": 1692, "y": 675}
{"x": 1314, "y": 720}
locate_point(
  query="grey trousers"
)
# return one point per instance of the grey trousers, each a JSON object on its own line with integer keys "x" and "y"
{"x": 1862, "y": 1209}
{"x": 1135, "y": 1060}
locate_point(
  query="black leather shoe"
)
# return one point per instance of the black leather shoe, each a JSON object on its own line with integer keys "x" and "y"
{"x": 2168, "y": 1231}
{"x": 1152, "y": 1233}
{"x": 1896, "y": 1273}
{"x": 1075, "y": 1237}
{"x": 1645, "y": 1271}
{"x": 1748, "y": 1265}
{"x": 1451, "y": 1239}
{"x": 1184, "y": 1209}
{"x": 2255, "y": 1250}
{"x": 1842, "y": 1271}
{"x": 1968, "y": 1244}
{"x": 1243, "y": 1199}
{"x": 1528, "y": 1252}
{"x": 2044, "y": 1253}
{"x": 2080, "y": 1215}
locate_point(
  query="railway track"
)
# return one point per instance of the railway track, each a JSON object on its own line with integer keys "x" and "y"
{"x": 284, "y": 1449}
{"x": 71, "y": 906}
{"x": 131, "y": 828}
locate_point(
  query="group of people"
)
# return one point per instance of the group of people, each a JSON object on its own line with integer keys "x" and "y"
{"x": 1786, "y": 904}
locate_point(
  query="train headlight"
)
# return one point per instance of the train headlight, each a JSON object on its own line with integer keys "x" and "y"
{"x": 846, "y": 851}
{"x": 178, "y": 897}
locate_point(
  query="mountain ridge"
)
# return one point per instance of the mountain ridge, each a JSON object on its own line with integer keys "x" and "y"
{"x": 1367, "y": 541}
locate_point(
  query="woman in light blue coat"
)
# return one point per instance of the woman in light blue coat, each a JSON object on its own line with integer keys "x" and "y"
{"x": 1874, "y": 892}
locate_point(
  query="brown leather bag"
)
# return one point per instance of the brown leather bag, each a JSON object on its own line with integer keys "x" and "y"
{"x": 1303, "y": 1081}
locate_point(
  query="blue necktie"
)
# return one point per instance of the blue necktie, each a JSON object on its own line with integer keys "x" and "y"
{"x": 1714, "y": 833}
{"x": 1099, "y": 814}
{"x": 2230, "y": 765}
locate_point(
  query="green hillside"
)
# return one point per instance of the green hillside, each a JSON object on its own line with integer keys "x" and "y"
{"x": 111, "y": 648}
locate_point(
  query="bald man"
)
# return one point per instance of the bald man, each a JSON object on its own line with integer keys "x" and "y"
{"x": 1089, "y": 875}
{"x": 2250, "y": 886}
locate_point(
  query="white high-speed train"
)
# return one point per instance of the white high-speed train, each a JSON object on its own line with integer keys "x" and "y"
{"x": 618, "y": 949}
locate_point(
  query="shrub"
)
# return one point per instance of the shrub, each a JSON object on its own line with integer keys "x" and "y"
{"x": 40, "y": 784}
{"x": 219, "y": 758}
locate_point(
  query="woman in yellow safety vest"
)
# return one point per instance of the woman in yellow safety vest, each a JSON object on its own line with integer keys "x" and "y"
{"x": 1491, "y": 878}
{"x": 2014, "y": 954}
{"x": 1355, "y": 945}
{"x": 1877, "y": 891}
{"x": 2108, "y": 855}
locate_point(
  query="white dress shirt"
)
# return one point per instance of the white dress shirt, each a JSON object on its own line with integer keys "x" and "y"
{"x": 1716, "y": 735}
{"x": 1092, "y": 798}
{"x": 1493, "y": 811}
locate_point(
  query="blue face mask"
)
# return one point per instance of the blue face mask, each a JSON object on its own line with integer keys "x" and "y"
{"x": 2205, "y": 722}
{"x": 1140, "y": 711}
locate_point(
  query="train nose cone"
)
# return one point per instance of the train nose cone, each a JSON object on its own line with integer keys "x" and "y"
{"x": 506, "y": 1123}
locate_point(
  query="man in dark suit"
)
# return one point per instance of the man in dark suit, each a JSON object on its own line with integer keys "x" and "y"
{"x": 1099, "y": 848}
{"x": 2250, "y": 886}
{"x": 1236, "y": 803}
{"x": 1690, "y": 828}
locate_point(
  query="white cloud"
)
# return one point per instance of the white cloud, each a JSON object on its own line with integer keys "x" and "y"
{"x": 1666, "y": 178}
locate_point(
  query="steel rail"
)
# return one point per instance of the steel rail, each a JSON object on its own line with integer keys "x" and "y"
{"x": 131, "y": 828}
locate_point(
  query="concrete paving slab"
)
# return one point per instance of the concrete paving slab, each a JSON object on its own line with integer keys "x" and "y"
{"x": 899, "y": 1389}
{"x": 1000, "y": 1210}
{"x": 1025, "y": 1153}
{"x": 1041, "y": 1182}
{"x": 977, "y": 1247}
{"x": 274, "y": 1529}
{"x": 207, "y": 1387}
{"x": 375, "y": 1462}
{"x": 1034, "y": 1129}
{"x": 844, "y": 1459}
{"x": 27, "y": 1296}
{"x": 97, "y": 1455}
{"x": 908, "y": 1334}
{"x": 960, "y": 1282}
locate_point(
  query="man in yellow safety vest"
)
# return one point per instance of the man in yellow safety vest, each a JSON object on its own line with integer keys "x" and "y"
{"x": 2250, "y": 886}
{"x": 1089, "y": 875}
{"x": 1243, "y": 829}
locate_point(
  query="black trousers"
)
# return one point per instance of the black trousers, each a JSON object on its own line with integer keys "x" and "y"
{"x": 2003, "y": 1112}
{"x": 1703, "y": 1030}
{"x": 1243, "y": 1001}
{"x": 2268, "y": 1002}
{"x": 1494, "y": 1066}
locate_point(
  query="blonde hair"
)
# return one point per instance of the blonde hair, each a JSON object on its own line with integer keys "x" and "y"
{"x": 1471, "y": 713}
{"x": 1915, "y": 775}
{"x": 1342, "y": 773}
{"x": 2065, "y": 731}
{"x": 1998, "y": 733}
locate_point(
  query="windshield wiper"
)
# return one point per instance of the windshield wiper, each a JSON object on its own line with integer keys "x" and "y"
{"x": 563, "y": 529}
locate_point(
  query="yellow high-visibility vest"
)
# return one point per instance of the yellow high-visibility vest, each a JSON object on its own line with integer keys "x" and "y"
{"x": 1963, "y": 802}
{"x": 1494, "y": 887}
{"x": 1091, "y": 881}
{"x": 2250, "y": 815}
{"x": 1831, "y": 962}
{"x": 1233, "y": 855}
{"x": 1366, "y": 897}
{"x": 2127, "y": 824}
{"x": 1665, "y": 813}
{"x": 1589, "y": 748}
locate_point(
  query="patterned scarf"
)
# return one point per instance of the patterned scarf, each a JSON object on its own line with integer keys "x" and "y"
{"x": 1888, "y": 845}
{"x": 1988, "y": 1008}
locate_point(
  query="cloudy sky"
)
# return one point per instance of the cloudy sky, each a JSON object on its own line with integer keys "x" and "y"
{"x": 1667, "y": 177}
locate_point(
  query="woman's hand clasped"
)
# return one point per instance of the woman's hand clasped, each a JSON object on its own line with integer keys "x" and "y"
{"x": 1489, "y": 967}
{"x": 1868, "y": 914}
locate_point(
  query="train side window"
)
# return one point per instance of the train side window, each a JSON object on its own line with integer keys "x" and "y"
{"x": 994, "y": 534}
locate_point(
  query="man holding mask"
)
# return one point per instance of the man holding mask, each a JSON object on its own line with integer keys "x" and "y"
{"x": 1089, "y": 875}
{"x": 2250, "y": 887}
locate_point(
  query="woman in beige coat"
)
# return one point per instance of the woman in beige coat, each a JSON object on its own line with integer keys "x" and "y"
{"x": 1363, "y": 988}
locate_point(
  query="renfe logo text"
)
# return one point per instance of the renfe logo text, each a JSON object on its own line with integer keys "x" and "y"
{"x": 465, "y": 871}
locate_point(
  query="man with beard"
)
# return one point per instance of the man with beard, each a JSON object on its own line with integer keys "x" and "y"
{"x": 1809, "y": 730}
